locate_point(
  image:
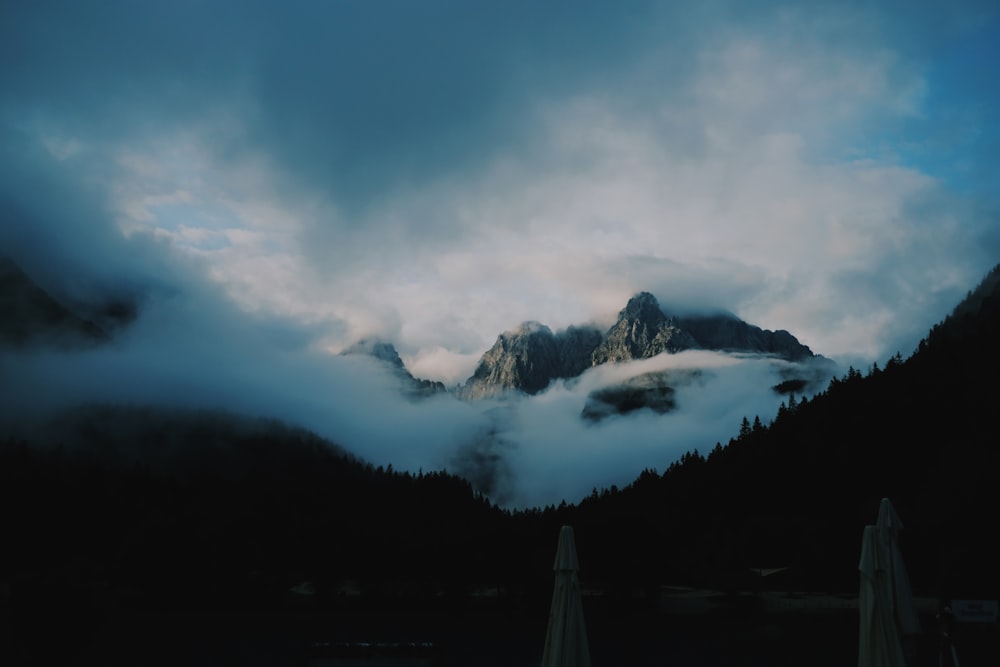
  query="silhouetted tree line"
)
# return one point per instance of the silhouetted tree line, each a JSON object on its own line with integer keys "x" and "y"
{"x": 247, "y": 515}
{"x": 208, "y": 510}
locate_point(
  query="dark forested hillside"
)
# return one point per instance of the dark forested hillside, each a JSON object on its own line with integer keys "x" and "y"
{"x": 208, "y": 506}
{"x": 796, "y": 491}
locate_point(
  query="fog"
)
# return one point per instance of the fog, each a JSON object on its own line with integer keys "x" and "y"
{"x": 196, "y": 351}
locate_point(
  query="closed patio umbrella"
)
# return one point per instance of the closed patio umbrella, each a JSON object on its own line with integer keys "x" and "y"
{"x": 566, "y": 637}
{"x": 879, "y": 643}
{"x": 885, "y": 599}
{"x": 901, "y": 595}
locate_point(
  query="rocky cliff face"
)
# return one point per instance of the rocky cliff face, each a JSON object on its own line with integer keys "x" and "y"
{"x": 530, "y": 357}
{"x": 642, "y": 331}
{"x": 728, "y": 333}
{"x": 649, "y": 391}
{"x": 576, "y": 349}
{"x": 386, "y": 353}
{"x": 379, "y": 349}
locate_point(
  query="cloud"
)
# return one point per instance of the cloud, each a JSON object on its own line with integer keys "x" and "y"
{"x": 275, "y": 183}
{"x": 194, "y": 351}
{"x": 539, "y": 450}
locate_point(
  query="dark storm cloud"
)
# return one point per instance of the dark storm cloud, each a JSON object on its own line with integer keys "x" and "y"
{"x": 354, "y": 97}
{"x": 55, "y": 222}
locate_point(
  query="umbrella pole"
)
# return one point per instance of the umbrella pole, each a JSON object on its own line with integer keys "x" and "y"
{"x": 948, "y": 655}
{"x": 948, "y": 649}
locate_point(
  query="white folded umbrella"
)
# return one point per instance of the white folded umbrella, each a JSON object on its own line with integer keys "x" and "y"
{"x": 566, "y": 638}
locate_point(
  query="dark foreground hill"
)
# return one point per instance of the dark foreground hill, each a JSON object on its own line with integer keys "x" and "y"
{"x": 797, "y": 491}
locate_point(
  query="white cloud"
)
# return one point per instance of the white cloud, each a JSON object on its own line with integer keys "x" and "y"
{"x": 553, "y": 454}
{"x": 724, "y": 183}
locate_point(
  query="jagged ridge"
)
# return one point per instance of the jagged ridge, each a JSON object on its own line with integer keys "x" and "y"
{"x": 530, "y": 357}
{"x": 386, "y": 353}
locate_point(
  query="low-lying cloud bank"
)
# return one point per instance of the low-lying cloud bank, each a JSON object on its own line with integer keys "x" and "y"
{"x": 198, "y": 352}
{"x": 546, "y": 451}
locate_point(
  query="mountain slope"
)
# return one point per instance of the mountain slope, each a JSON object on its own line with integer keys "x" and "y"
{"x": 387, "y": 354}
{"x": 31, "y": 316}
{"x": 530, "y": 357}
{"x": 728, "y": 333}
{"x": 642, "y": 331}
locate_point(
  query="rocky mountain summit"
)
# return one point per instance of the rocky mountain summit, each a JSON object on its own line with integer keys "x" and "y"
{"x": 387, "y": 354}
{"x": 530, "y": 357}
{"x": 642, "y": 331}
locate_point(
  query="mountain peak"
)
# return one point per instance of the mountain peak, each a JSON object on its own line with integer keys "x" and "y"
{"x": 642, "y": 306}
{"x": 378, "y": 348}
{"x": 529, "y": 357}
{"x": 529, "y": 328}
{"x": 386, "y": 353}
{"x": 643, "y": 330}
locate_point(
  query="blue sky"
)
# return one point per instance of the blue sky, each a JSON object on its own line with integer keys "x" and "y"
{"x": 437, "y": 172}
